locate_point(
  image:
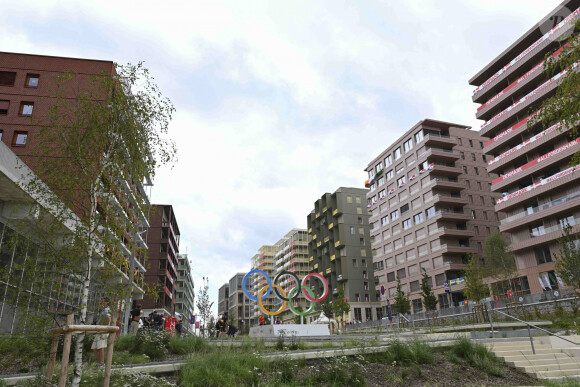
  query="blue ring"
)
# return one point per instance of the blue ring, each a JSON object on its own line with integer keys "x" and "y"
{"x": 269, "y": 284}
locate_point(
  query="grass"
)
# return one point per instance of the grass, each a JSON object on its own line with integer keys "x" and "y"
{"x": 477, "y": 355}
{"x": 400, "y": 353}
{"x": 222, "y": 368}
{"x": 568, "y": 382}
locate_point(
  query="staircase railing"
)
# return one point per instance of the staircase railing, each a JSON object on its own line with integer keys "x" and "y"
{"x": 529, "y": 329}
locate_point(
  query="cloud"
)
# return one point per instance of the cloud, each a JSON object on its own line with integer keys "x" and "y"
{"x": 278, "y": 102}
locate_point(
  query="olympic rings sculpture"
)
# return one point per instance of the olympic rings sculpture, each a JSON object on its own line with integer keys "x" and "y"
{"x": 281, "y": 294}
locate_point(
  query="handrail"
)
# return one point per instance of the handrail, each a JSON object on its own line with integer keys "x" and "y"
{"x": 535, "y": 327}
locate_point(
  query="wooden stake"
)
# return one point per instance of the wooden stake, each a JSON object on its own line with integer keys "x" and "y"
{"x": 52, "y": 359}
{"x": 66, "y": 352}
{"x": 109, "y": 361}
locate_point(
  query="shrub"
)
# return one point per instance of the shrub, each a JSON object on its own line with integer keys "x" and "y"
{"x": 186, "y": 345}
{"x": 478, "y": 356}
{"x": 223, "y": 368}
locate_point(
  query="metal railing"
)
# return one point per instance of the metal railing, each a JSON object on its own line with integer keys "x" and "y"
{"x": 529, "y": 325}
{"x": 542, "y": 207}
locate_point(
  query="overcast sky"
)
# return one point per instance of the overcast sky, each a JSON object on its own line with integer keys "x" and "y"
{"x": 278, "y": 102}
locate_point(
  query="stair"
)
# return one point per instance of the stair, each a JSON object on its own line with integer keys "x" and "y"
{"x": 548, "y": 363}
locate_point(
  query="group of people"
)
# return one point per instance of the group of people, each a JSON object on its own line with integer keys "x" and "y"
{"x": 154, "y": 321}
{"x": 224, "y": 328}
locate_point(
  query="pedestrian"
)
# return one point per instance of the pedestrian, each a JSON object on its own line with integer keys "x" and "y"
{"x": 179, "y": 327}
{"x": 262, "y": 320}
{"x": 100, "y": 341}
{"x": 135, "y": 314}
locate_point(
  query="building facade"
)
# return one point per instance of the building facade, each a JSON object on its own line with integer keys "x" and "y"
{"x": 538, "y": 188}
{"x": 184, "y": 289}
{"x": 264, "y": 261}
{"x": 238, "y": 304}
{"x": 339, "y": 249}
{"x": 292, "y": 256}
{"x": 431, "y": 205}
{"x": 223, "y": 299}
{"x": 163, "y": 241}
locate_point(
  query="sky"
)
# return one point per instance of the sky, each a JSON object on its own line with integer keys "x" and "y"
{"x": 277, "y": 102}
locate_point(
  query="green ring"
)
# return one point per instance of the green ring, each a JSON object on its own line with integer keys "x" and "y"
{"x": 312, "y": 303}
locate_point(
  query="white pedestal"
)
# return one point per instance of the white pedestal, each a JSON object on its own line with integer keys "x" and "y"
{"x": 290, "y": 330}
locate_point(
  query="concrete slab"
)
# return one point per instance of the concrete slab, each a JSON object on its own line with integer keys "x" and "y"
{"x": 289, "y": 330}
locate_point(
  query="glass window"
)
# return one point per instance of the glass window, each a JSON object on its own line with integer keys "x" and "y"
{"x": 481, "y": 145}
{"x": 407, "y": 224}
{"x": 470, "y": 144}
{"x": 476, "y": 170}
{"x": 395, "y": 215}
{"x": 382, "y": 194}
{"x": 381, "y": 180}
{"x": 473, "y": 156}
{"x": 348, "y": 199}
{"x": 26, "y": 108}
{"x": 430, "y": 212}
{"x": 418, "y": 137}
{"x": 390, "y": 175}
{"x": 388, "y": 160}
{"x": 538, "y": 230}
{"x": 567, "y": 221}
{"x": 418, "y": 218}
{"x": 401, "y": 181}
{"x": 408, "y": 145}
{"x": 20, "y": 138}
{"x": 404, "y": 209}
{"x": 379, "y": 166}
{"x": 32, "y": 80}
{"x": 543, "y": 254}
{"x": 384, "y": 220}
{"x": 400, "y": 170}
{"x": 398, "y": 153}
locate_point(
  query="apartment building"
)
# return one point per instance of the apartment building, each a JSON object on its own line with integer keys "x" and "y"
{"x": 239, "y": 305}
{"x": 184, "y": 289}
{"x": 263, "y": 260}
{"x": 163, "y": 241}
{"x": 538, "y": 189}
{"x": 339, "y": 249}
{"x": 292, "y": 256}
{"x": 223, "y": 299}
{"x": 28, "y": 87}
{"x": 431, "y": 205}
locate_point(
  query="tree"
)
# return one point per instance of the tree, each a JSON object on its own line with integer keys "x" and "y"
{"x": 499, "y": 260}
{"x": 429, "y": 299}
{"x": 564, "y": 105}
{"x": 101, "y": 139}
{"x": 203, "y": 304}
{"x": 340, "y": 306}
{"x": 568, "y": 258}
{"x": 402, "y": 304}
{"x": 326, "y": 307}
{"x": 475, "y": 289}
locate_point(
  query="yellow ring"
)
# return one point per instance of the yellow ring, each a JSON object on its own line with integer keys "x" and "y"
{"x": 262, "y": 305}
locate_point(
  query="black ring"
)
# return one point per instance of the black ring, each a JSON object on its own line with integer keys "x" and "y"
{"x": 291, "y": 275}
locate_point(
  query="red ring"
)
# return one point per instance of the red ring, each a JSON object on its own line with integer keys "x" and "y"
{"x": 324, "y": 294}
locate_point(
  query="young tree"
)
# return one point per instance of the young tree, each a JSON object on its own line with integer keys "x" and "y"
{"x": 568, "y": 258}
{"x": 340, "y": 306}
{"x": 326, "y": 307}
{"x": 429, "y": 299}
{"x": 564, "y": 105}
{"x": 100, "y": 140}
{"x": 499, "y": 260}
{"x": 203, "y": 304}
{"x": 475, "y": 289}
{"x": 402, "y": 304}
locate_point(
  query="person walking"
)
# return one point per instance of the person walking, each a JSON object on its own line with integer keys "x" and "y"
{"x": 100, "y": 340}
{"x": 136, "y": 315}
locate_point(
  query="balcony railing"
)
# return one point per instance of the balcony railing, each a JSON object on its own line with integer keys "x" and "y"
{"x": 544, "y": 206}
{"x": 553, "y": 228}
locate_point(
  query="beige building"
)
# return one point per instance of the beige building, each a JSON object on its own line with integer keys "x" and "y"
{"x": 264, "y": 261}
{"x": 431, "y": 205}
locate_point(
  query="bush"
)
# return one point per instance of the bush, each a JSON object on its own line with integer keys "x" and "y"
{"x": 478, "y": 356}
{"x": 223, "y": 368}
{"x": 185, "y": 345}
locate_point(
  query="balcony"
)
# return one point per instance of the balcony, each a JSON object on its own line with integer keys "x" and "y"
{"x": 547, "y": 209}
{"x": 448, "y": 199}
{"x": 433, "y": 139}
{"x": 450, "y": 215}
{"x": 330, "y": 226}
{"x": 447, "y": 185}
{"x": 446, "y": 231}
{"x": 317, "y": 215}
{"x": 336, "y": 212}
{"x": 439, "y": 154}
{"x": 332, "y": 257}
{"x": 549, "y": 234}
{"x": 311, "y": 259}
{"x": 327, "y": 271}
{"x": 454, "y": 249}
{"x": 446, "y": 170}
{"x": 338, "y": 244}
{"x": 316, "y": 266}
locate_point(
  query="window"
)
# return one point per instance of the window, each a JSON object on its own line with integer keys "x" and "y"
{"x": 407, "y": 224}
{"x": 473, "y": 156}
{"x": 536, "y": 231}
{"x": 465, "y": 169}
{"x": 482, "y": 200}
{"x": 418, "y": 137}
{"x": 473, "y": 216}
{"x": 364, "y": 264}
{"x": 384, "y": 220}
{"x": 357, "y": 199}
{"x": 404, "y": 209}
{"x": 483, "y": 157}
{"x": 7, "y": 78}
{"x": 418, "y": 218}
{"x": 31, "y": 80}
{"x": 476, "y": 170}
{"x": 401, "y": 181}
{"x": 481, "y": 145}
{"x": 479, "y": 185}
{"x": 395, "y": 215}
{"x": 348, "y": 199}
{"x": 391, "y": 277}
{"x": 401, "y": 273}
{"x": 360, "y": 220}
{"x": 381, "y": 182}
{"x": 567, "y": 221}
{"x": 408, "y": 145}
{"x": 543, "y": 254}
{"x": 20, "y": 138}
{"x": 470, "y": 144}
{"x": 414, "y": 286}
{"x": 373, "y": 186}
{"x": 382, "y": 194}
{"x": 354, "y": 262}
{"x": 351, "y": 230}
{"x": 485, "y": 215}
{"x": 390, "y": 175}
{"x": 26, "y": 108}
{"x": 430, "y": 212}
{"x": 379, "y": 166}
{"x": 388, "y": 160}
{"x": 398, "y": 153}
{"x": 417, "y": 305}
{"x": 0, "y": 135}
{"x": 4, "y": 105}
{"x": 462, "y": 156}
